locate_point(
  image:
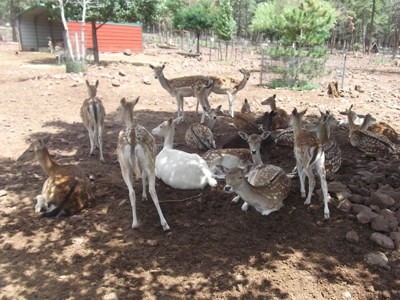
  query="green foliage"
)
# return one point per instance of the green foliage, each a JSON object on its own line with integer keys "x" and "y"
{"x": 225, "y": 26}
{"x": 75, "y": 67}
{"x": 196, "y": 18}
{"x": 308, "y": 24}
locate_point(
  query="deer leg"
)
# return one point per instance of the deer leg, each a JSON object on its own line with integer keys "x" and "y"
{"x": 127, "y": 174}
{"x": 153, "y": 194}
{"x": 302, "y": 178}
{"x": 91, "y": 138}
{"x": 245, "y": 206}
{"x": 179, "y": 103}
{"x": 311, "y": 184}
{"x": 230, "y": 102}
{"x": 100, "y": 143}
{"x": 324, "y": 187}
{"x": 268, "y": 211}
{"x": 236, "y": 199}
{"x": 144, "y": 181}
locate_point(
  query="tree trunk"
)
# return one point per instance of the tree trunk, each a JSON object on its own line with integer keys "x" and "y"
{"x": 198, "y": 41}
{"x": 64, "y": 21}
{"x": 370, "y": 32}
{"x": 83, "y": 44}
{"x": 395, "y": 42}
{"x": 226, "y": 50}
{"x": 13, "y": 19}
{"x": 95, "y": 43}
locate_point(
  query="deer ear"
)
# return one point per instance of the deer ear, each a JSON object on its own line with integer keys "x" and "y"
{"x": 87, "y": 82}
{"x": 97, "y": 83}
{"x": 218, "y": 108}
{"x": 123, "y": 101}
{"x": 135, "y": 101}
{"x": 265, "y": 135}
{"x": 294, "y": 112}
{"x": 248, "y": 168}
{"x": 243, "y": 135}
{"x": 151, "y": 66}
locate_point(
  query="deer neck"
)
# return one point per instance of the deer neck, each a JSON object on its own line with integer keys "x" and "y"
{"x": 297, "y": 128}
{"x": 165, "y": 83}
{"x": 47, "y": 163}
{"x": 242, "y": 83}
{"x": 272, "y": 105}
{"x": 210, "y": 123}
{"x": 324, "y": 133}
{"x": 129, "y": 120}
{"x": 169, "y": 139}
{"x": 256, "y": 159}
{"x": 352, "y": 126}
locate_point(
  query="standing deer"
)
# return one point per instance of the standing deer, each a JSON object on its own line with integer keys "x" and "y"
{"x": 182, "y": 86}
{"x": 66, "y": 186}
{"x": 93, "y": 114}
{"x": 136, "y": 152}
{"x": 310, "y": 155}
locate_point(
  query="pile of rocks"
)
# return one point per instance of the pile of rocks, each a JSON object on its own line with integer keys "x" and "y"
{"x": 372, "y": 194}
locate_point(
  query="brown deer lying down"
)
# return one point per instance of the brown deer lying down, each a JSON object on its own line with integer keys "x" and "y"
{"x": 67, "y": 187}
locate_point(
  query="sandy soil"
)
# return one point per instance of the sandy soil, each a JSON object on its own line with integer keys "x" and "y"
{"x": 214, "y": 250}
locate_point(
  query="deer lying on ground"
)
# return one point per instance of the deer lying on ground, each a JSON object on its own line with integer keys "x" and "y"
{"x": 180, "y": 169}
{"x": 136, "y": 152}
{"x": 369, "y": 142}
{"x": 200, "y": 136}
{"x": 310, "y": 156}
{"x": 267, "y": 185}
{"x": 382, "y": 128}
{"x": 236, "y": 157}
{"x": 67, "y": 187}
{"x": 93, "y": 114}
{"x": 281, "y": 118}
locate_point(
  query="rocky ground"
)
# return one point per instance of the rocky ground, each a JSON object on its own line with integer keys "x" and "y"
{"x": 214, "y": 250}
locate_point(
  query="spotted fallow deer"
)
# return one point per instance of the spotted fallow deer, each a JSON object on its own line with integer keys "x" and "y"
{"x": 333, "y": 154}
{"x": 281, "y": 119}
{"x": 237, "y": 157}
{"x": 67, "y": 187}
{"x": 180, "y": 169}
{"x": 182, "y": 86}
{"x": 93, "y": 114}
{"x": 200, "y": 136}
{"x": 136, "y": 152}
{"x": 179, "y": 87}
{"x": 369, "y": 142}
{"x": 380, "y": 128}
{"x": 310, "y": 155}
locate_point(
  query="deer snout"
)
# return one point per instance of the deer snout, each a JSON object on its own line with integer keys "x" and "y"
{"x": 253, "y": 152}
{"x": 228, "y": 189}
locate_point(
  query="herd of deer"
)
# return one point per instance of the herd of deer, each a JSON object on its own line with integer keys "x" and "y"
{"x": 260, "y": 185}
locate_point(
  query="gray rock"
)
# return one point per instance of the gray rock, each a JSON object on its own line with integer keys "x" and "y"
{"x": 356, "y": 198}
{"x": 345, "y": 206}
{"x": 336, "y": 187}
{"x": 343, "y": 195}
{"x": 128, "y": 52}
{"x": 382, "y": 240}
{"x": 357, "y": 208}
{"x": 376, "y": 259}
{"x": 366, "y": 216}
{"x": 352, "y": 236}
{"x": 395, "y": 236}
{"x": 385, "y": 223}
{"x": 381, "y": 199}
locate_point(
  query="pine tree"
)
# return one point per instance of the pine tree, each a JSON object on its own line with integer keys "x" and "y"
{"x": 225, "y": 25}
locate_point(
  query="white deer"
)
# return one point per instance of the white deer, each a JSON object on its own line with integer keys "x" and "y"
{"x": 180, "y": 169}
{"x": 93, "y": 114}
{"x": 310, "y": 155}
{"x": 136, "y": 154}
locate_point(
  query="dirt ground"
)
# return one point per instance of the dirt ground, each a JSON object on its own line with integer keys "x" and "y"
{"x": 214, "y": 250}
